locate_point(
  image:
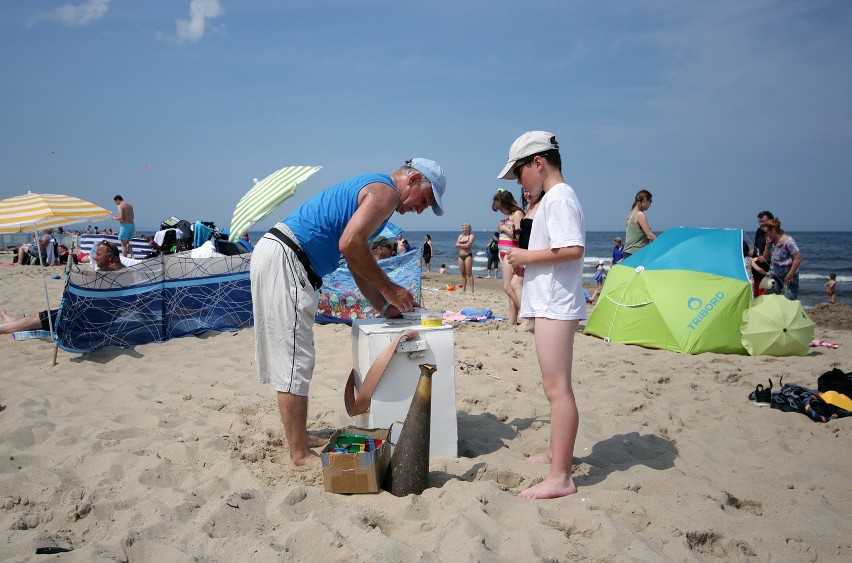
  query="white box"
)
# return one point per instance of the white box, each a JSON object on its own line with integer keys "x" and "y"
{"x": 393, "y": 394}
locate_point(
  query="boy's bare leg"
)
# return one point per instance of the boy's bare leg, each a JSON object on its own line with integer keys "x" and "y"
{"x": 554, "y": 342}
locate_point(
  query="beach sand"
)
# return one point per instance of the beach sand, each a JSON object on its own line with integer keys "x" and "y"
{"x": 173, "y": 452}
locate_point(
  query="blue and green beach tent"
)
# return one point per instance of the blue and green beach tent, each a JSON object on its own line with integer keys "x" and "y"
{"x": 685, "y": 292}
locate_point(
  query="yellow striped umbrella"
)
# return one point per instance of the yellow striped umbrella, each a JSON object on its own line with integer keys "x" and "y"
{"x": 266, "y": 196}
{"x": 44, "y": 211}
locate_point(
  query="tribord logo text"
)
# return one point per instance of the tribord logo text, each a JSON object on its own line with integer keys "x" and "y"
{"x": 702, "y": 310}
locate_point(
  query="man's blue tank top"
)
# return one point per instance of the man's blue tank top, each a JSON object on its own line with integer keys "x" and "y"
{"x": 319, "y": 222}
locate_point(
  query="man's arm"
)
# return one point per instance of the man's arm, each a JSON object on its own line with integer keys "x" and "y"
{"x": 376, "y": 202}
{"x": 120, "y": 216}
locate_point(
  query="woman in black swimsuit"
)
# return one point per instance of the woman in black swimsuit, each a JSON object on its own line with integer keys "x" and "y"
{"x": 427, "y": 252}
{"x": 464, "y": 243}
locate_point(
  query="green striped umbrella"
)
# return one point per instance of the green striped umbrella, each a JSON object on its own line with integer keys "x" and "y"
{"x": 266, "y": 196}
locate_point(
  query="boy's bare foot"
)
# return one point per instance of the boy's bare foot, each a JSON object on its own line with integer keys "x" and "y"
{"x": 540, "y": 458}
{"x": 551, "y": 488}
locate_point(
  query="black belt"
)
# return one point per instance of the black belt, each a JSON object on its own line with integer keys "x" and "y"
{"x": 316, "y": 281}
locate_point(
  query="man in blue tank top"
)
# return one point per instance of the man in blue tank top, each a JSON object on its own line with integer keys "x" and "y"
{"x": 289, "y": 261}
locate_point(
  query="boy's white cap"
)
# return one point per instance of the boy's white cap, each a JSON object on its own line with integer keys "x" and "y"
{"x": 528, "y": 144}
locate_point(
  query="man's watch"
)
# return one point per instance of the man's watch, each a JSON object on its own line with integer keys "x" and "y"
{"x": 384, "y": 309}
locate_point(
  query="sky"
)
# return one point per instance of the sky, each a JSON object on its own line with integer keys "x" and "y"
{"x": 720, "y": 109}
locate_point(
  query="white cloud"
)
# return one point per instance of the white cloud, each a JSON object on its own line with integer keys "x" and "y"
{"x": 200, "y": 11}
{"x": 76, "y": 15}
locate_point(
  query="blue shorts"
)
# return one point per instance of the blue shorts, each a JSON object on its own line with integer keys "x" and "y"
{"x": 125, "y": 232}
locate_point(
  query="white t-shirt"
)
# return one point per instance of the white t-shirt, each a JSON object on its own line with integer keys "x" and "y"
{"x": 555, "y": 291}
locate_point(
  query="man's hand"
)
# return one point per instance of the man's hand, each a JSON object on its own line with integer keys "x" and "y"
{"x": 400, "y": 299}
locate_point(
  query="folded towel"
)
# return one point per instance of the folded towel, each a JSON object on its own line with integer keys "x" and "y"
{"x": 477, "y": 312}
{"x": 471, "y": 316}
{"x": 30, "y": 334}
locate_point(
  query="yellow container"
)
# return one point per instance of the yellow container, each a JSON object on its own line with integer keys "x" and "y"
{"x": 431, "y": 318}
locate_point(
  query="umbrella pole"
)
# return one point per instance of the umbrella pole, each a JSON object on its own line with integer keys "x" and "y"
{"x": 44, "y": 281}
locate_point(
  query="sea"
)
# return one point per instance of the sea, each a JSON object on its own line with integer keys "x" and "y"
{"x": 822, "y": 254}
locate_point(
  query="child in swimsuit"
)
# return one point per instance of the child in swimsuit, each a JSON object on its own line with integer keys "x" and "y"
{"x": 509, "y": 229}
{"x": 831, "y": 286}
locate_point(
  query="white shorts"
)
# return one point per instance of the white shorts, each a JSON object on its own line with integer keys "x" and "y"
{"x": 284, "y": 306}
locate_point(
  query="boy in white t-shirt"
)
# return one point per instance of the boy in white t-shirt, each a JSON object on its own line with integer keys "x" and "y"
{"x": 552, "y": 294}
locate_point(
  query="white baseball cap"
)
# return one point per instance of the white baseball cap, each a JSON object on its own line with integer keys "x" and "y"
{"x": 435, "y": 174}
{"x": 528, "y": 144}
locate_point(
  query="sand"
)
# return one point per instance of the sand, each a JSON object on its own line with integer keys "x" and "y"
{"x": 173, "y": 452}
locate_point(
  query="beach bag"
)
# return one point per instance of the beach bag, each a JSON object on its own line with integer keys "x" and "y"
{"x": 796, "y": 398}
{"x": 835, "y": 388}
{"x": 170, "y": 223}
{"x": 493, "y": 247}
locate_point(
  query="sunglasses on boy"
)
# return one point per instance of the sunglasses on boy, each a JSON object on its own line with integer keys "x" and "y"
{"x": 521, "y": 164}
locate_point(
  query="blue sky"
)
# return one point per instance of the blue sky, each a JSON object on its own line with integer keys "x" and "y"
{"x": 720, "y": 109}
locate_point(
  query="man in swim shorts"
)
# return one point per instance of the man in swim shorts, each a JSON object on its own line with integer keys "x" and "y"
{"x": 289, "y": 261}
{"x": 125, "y": 218}
{"x": 106, "y": 257}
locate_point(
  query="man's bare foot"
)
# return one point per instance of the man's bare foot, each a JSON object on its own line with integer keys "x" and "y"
{"x": 316, "y": 441}
{"x": 6, "y": 316}
{"x": 540, "y": 458}
{"x": 305, "y": 460}
{"x": 527, "y": 325}
{"x": 313, "y": 441}
{"x": 551, "y": 488}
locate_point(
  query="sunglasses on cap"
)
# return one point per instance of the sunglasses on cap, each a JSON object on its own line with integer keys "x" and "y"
{"x": 112, "y": 247}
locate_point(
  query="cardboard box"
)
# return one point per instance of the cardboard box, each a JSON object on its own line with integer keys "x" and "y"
{"x": 360, "y": 472}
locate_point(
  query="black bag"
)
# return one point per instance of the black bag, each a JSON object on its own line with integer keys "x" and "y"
{"x": 835, "y": 387}
{"x": 170, "y": 223}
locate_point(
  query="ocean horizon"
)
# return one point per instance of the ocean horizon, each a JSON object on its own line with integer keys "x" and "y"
{"x": 819, "y": 250}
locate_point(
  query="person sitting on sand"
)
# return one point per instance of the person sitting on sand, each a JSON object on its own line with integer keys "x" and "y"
{"x": 107, "y": 259}
{"x": 32, "y": 321}
{"x": 443, "y": 269}
{"x": 27, "y": 252}
{"x": 107, "y": 256}
{"x": 65, "y": 255}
